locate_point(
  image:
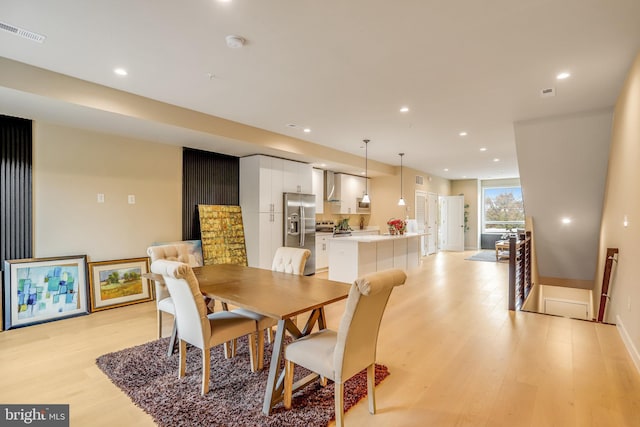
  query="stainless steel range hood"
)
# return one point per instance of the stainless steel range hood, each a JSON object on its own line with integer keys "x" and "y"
{"x": 330, "y": 189}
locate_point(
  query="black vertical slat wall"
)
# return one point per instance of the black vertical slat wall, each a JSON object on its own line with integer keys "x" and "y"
{"x": 207, "y": 179}
{"x": 15, "y": 189}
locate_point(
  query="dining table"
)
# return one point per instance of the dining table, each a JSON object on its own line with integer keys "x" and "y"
{"x": 277, "y": 295}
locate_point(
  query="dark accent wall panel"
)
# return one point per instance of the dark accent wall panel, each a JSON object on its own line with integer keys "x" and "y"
{"x": 15, "y": 189}
{"x": 210, "y": 179}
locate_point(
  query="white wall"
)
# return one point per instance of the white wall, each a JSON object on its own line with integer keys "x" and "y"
{"x": 71, "y": 166}
{"x": 469, "y": 188}
{"x": 623, "y": 199}
{"x": 563, "y": 166}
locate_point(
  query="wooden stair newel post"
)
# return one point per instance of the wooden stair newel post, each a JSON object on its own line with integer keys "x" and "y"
{"x": 608, "y": 265}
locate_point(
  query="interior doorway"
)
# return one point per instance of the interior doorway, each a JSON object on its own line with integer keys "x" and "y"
{"x": 427, "y": 221}
{"x": 451, "y": 223}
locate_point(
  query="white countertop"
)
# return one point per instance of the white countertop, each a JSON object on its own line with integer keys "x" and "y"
{"x": 378, "y": 238}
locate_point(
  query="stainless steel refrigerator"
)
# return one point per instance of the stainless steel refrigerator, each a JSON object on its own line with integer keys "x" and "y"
{"x": 300, "y": 225}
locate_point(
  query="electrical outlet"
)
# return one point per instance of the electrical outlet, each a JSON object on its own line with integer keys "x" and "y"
{"x": 100, "y": 198}
{"x": 132, "y": 199}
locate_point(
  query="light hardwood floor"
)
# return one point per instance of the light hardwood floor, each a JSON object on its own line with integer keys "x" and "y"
{"x": 457, "y": 357}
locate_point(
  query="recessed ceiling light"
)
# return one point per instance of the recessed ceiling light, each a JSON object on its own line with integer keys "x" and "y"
{"x": 234, "y": 41}
{"x": 291, "y": 125}
{"x": 446, "y": 169}
{"x": 463, "y": 133}
{"x": 120, "y": 71}
{"x": 496, "y": 159}
{"x": 404, "y": 109}
{"x": 306, "y": 130}
{"x": 323, "y": 165}
{"x": 483, "y": 149}
{"x": 563, "y": 75}
{"x": 566, "y": 220}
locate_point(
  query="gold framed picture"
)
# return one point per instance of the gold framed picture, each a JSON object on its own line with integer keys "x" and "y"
{"x": 118, "y": 283}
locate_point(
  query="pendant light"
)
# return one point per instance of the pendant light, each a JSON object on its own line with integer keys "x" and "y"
{"x": 365, "y": 197}
{"x": 401, "y": 201}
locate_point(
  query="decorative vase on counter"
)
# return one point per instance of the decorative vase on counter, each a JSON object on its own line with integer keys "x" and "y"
{"x": 396, "y": 226}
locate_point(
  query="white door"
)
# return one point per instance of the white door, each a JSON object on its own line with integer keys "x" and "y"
{"x": 452, "y": 223}
{"x": 421, "y": 220}
{"x": 432, "y": 223}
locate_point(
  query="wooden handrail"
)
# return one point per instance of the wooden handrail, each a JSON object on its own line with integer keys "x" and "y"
{"x": 606, "y": 278}
{"x": 519, "y": 270}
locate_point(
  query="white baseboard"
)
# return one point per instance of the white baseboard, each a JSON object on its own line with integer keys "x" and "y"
{"x": 633, "y": 351}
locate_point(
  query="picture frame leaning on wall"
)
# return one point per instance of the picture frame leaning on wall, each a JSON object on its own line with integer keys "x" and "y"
{"x": 118, "y": 283}
{"x": 38, "y": 290}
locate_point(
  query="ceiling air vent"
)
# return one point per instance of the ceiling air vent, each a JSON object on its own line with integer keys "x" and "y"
{"x": 22, "y": 32}
{"x": 419, "y": 180}
{"x": 547, "y": 92}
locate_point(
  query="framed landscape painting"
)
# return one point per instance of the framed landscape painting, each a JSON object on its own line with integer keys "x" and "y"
{"x": 38, "y": 290}
{"x": 118, "y": 283}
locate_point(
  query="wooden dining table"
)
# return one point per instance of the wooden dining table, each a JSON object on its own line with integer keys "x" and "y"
{"x": 280, "y": 296}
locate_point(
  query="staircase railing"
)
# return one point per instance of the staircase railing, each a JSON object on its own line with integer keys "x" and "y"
{"x": 520, "y": 254}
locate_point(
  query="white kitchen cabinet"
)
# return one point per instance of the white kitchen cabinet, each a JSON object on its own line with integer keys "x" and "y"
{"x": 261, "y": 184}
{"x": 317, "y": 184}
{"x": 263, "y": 235}
{"x": 322, "y": 250}
{"x": 350, "y": 188}
{"x": 297, "y": 177}
{"x": 352, "y": 257}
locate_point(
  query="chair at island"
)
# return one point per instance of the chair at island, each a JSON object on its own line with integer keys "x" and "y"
{"x": 340, "y": 355}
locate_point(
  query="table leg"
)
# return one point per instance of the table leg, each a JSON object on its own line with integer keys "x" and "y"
{"x": 172, "y": 341}
{"x": 272, "y": 395}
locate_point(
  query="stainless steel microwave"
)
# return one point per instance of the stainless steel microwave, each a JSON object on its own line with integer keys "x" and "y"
{"x": 362, "y": 207}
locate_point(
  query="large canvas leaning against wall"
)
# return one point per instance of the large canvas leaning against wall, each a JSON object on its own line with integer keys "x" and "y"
{"x": 38, "y": 290}
{"x": 222, "y": 234}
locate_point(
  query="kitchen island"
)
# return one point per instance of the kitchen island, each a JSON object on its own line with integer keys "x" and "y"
{"x": 352, "y": 257}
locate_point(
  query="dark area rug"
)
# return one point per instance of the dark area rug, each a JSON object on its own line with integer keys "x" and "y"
{"x": 150, "y": 379}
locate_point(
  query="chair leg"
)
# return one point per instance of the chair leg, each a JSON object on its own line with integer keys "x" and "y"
{"x": 371, "y": 387}
{"x": 288, "y": 383}
{"x": 339, "y": 404}
{"x": 182, "y": 367}
{"x": 323, "y": 381}
{"x": 206, "y": 365}
{"x": 253, "y": 353}
{"x": 260, "y": 350}
{"x": 270, "y": 335}
{"x": 159, "y": 323}
{"x": 230, "y": 349}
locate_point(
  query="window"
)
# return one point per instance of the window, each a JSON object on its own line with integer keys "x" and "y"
{"x": 503, "y": 209}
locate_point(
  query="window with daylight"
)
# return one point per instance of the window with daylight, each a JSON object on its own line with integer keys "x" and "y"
{"x": 503, "y": 209}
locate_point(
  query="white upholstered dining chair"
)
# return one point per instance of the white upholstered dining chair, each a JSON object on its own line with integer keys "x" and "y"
{"x": 340, "y": 355}
{"x": 195, "y": 326}
{"x": 286, "y": 260}
{"x": 164, "y": 303}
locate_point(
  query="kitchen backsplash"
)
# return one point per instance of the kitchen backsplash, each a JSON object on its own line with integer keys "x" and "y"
{"x": 354, "y": 220}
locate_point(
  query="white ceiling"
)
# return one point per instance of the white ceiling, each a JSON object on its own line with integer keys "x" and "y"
{"x": 341, "y": 68}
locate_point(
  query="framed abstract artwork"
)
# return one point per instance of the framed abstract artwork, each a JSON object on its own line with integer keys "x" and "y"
{"x": 118, "y": 283}
{"x": 38, "y": 290}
